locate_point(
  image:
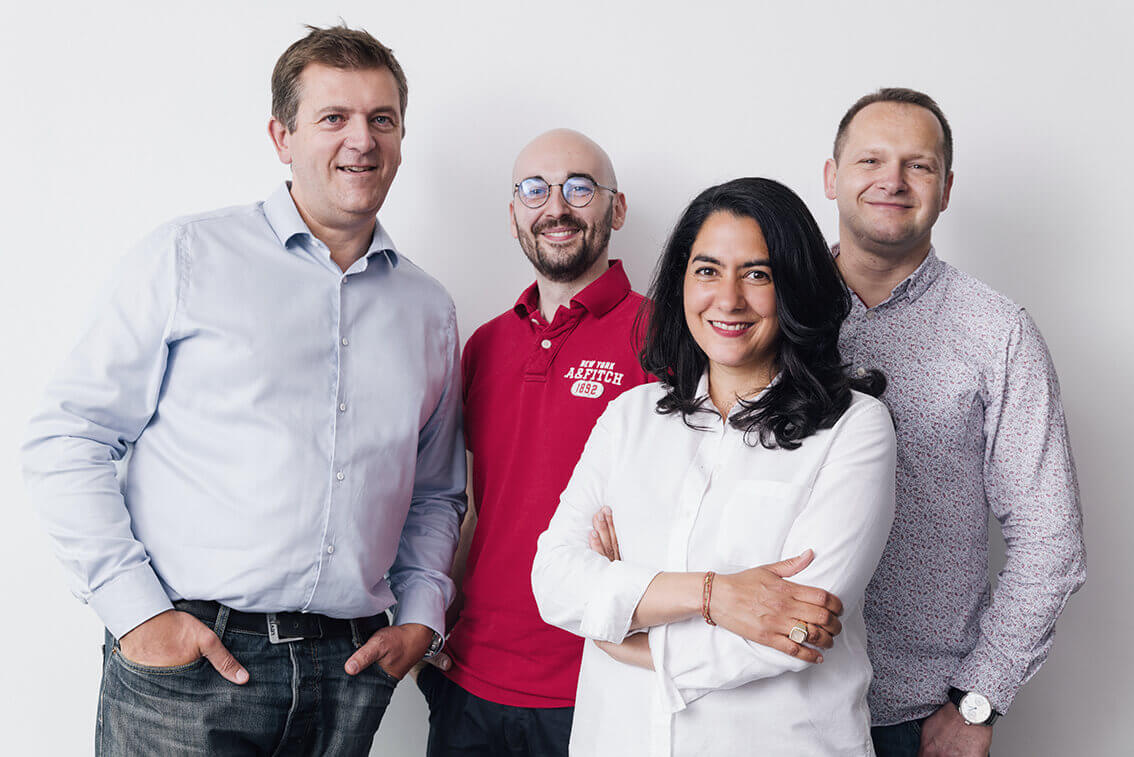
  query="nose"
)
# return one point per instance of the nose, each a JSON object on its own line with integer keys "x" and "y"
{"x": 358, "y": 136}
{"x": 730, "y": 295}
{"x": 556, "y": 206}
{"x": 893, "y": 177}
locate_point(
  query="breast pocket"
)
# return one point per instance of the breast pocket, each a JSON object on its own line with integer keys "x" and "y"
{"x": 755, "y": 521}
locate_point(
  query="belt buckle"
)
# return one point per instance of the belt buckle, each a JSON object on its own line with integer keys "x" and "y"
{"x": 274, "y": 631}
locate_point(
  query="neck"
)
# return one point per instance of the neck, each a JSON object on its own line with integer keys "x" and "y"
{"x": 727, "y": 385}
{"x": 553, "y": 294}
{"x": 346, "y": 245}
{"x": 873, "y": 274}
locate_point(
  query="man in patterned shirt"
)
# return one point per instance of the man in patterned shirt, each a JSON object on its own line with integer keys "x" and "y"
{"x": 980, "y": 429}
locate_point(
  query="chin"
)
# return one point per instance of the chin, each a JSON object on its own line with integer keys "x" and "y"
{"x": 363, "y": 205}
{"x": 730, "y": 361}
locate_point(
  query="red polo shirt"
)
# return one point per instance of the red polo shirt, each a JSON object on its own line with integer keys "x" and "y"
{"x": 532, "y": 391}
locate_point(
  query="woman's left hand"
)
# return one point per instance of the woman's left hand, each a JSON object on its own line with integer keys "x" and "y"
{"x": 603, "y": 538}
{"x": 634, "y": 650}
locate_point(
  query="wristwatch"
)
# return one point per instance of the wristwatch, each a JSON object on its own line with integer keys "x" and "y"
{"x": 434, "y": 646}
{"x": 973, "y": 706}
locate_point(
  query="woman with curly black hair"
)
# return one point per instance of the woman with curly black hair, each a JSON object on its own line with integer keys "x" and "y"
{"x": 753, "y": 446}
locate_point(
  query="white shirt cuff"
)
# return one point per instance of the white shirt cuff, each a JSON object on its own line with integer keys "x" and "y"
{"x": 129, "y": 600}
{"x": 610, "y": 609}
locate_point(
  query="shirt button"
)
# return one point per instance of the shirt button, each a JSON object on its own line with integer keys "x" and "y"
{"x": 860, "y": 372}
{"x": 870, "y": 315}
{"x": 340, "y": 475}
{"x": 546, "y": 344}
{"x": 342, "y": 407}
{"x": 345, "y": 341}
{"x": 330, "y": 549}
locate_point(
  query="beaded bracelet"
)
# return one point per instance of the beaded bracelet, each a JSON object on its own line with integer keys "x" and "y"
{"x": 706, "y": 597}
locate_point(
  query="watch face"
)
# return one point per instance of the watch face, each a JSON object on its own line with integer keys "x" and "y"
{"x": 975, "y": 708}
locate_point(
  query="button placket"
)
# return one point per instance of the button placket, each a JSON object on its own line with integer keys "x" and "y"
{"x": 693, "y": 491}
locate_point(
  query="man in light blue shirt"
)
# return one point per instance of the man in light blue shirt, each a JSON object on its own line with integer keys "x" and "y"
{"x": 286, "y": 385}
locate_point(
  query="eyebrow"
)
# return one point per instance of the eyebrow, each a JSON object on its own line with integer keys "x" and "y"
{"x": 922, "y": 156}
{"x": 572, "y": 175}
{"x": 747, "y": 264}
{"x": 383, "y": 109}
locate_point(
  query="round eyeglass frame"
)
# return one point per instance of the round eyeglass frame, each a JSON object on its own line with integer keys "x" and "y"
{"x": 562, "y": 193}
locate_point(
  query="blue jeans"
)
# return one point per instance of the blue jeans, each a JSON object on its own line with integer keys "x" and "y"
{"x": 464, "y": 725}
{"x": 298, "y": 701}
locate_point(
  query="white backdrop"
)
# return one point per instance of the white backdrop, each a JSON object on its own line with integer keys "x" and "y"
{"x": 118, "y": 116}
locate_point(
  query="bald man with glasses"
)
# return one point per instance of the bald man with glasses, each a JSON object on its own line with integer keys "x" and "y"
{"x": 535, "y": 380}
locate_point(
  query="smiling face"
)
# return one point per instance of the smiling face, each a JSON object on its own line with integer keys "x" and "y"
{"x": 730, "y": 301}
{"x": 564, "y": 243}
{"x": 346, "y": 147}
{"x": 889, "y": 180}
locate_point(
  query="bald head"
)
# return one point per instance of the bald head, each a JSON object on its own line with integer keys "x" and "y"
{"x": 559, "y": 153}
{"x": 566, "y": 243}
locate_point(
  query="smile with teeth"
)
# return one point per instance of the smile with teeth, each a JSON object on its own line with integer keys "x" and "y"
{"x": 729, "y": 328}
{"x": 559, "y": 235}
{"x": 357, "y": 169}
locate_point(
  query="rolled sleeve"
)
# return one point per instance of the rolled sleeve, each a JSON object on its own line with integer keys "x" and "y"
{"x": 575, "y": 588}
{"x": 610, "y": 607}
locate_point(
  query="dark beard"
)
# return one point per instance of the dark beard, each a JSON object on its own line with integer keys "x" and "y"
{"x": 565, "y": 269}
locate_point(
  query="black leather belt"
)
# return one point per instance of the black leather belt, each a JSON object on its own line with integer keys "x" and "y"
{"x": 282, "y": 627}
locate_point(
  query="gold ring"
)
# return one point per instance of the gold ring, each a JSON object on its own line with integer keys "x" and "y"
{"x": 798, "y": 632}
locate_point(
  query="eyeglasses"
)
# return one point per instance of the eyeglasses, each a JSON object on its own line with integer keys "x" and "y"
{"x": 578, "y": 191}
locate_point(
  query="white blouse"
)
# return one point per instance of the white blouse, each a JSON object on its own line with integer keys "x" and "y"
{"x": 690, "y": 500}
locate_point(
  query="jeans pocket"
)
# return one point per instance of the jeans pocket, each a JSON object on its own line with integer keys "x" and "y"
{"x": 385, "y": 676}
{"x": 427, "y": 681}
{"x": 156, "y": 670}
{"x": 378, "y": 669}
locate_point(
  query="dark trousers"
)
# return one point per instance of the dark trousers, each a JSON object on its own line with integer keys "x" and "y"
{"x": 464, "y": 725}
{"x": 899, "y": 740}
{"x": 298, "y": 701}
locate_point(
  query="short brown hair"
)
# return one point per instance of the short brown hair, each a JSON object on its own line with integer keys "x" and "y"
{"x": 897, "y": 95}
{"x": 337, "y": 47}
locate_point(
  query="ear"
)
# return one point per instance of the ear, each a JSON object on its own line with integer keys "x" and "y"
{"x": 281, "y": 140}
{"x": 512, "y": 221}
{"x": 829, "y": 170}
{"x": 618, "y": 217}
{"x": 947, "y": 192}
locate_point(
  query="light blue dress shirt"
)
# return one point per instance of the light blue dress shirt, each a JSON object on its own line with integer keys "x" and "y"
{"x": 294, "y": 432}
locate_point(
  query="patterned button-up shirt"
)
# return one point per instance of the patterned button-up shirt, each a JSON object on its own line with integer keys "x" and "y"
{"x": 980, "y": 429}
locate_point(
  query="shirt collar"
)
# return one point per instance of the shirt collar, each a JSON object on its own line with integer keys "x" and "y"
{"x": 599, "y": 297}
{"x": 286, "y": 222}
{"x": 916, "y": 284}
